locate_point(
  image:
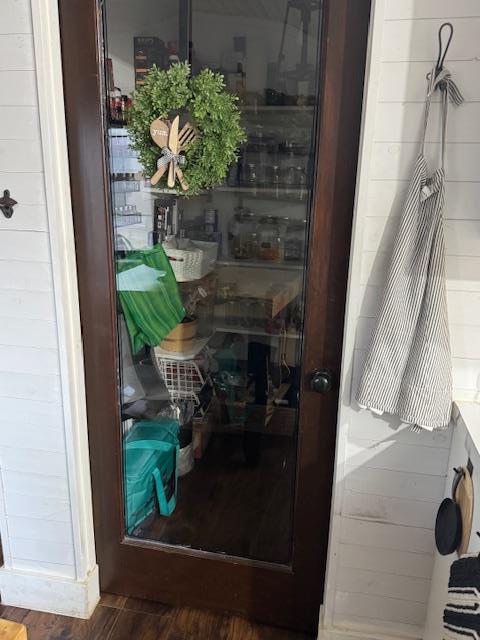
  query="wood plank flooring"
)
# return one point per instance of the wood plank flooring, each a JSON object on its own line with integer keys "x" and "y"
{"x": 120, "y": 618}
{"x": 225, "y": 506}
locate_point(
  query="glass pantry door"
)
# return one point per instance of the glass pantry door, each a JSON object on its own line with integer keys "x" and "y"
{"x": 212, "y": 323}
{"x": 215, "y": 402}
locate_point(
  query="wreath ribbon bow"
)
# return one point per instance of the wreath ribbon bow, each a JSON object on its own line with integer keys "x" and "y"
{"x": 168, "y": 156}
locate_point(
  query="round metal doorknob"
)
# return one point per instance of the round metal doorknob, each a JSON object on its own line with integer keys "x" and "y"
{"x": 321, "y": 381}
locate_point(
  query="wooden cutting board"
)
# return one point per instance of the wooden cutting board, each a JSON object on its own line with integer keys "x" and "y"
{"x": 464, "y": 498}
{"x": 12, "y": 631}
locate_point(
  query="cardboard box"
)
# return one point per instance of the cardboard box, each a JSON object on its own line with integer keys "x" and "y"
{"x": 146, "y": 53}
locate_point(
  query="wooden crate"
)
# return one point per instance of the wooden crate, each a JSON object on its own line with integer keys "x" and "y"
{"x": 276, "y": 287}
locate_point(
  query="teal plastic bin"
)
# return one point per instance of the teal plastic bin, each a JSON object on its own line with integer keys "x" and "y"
{"x": 151, "y": 470}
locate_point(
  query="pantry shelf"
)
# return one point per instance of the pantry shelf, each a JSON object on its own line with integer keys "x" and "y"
{"x": 255, "y": 332}
{"x": 266, "y": 264}
{"x": 271, "y": 193}
{"x": 275, "y": 108}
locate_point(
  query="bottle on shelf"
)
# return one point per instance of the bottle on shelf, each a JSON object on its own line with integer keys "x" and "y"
{"x": 243, "y": 239}
{"x": 294, "y": 249}
{"x": 269, "y": 240}
{"x": 210, "y": 220}
{"x": 172, "y": 50}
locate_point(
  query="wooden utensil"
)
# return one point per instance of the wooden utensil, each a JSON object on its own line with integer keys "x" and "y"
{"x": 181, "y": 178}
{"x": 186, "y": 136}
{"x": 159, "y": 132}
{"x": 173, "y": 145}
{"x": 464, "y": 499}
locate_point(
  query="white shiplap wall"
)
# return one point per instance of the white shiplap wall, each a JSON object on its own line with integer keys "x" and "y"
{"x": 390, "y": 481}
{"x": 36, "y": 529}
{"x": 45, "y": 515}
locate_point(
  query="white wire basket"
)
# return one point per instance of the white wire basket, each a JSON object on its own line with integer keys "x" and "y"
{"x": 184, "y": 379}
{"x": 194, "y": 262}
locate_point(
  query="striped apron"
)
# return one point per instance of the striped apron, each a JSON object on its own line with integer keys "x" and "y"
{"x": 408, "y": 369}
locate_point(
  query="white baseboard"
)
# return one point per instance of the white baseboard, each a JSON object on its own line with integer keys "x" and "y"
{"x": 342, "y": 634}
{"x": 63, "y": 596}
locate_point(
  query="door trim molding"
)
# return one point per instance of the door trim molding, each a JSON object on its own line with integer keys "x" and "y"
{"x": 46, "y": 31}
{"x": 371, "y": 81}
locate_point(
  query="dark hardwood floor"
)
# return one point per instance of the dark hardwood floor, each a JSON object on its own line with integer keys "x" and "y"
{"x": 225, "y": 506}
{"x": 120, "y": 618}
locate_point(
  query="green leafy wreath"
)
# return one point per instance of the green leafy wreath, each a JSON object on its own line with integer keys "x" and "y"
{"x": 211, "y": 110}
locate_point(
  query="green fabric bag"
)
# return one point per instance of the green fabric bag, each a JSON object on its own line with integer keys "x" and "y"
{"x": 149, "y": 296}
{"x": 151, "y": 470}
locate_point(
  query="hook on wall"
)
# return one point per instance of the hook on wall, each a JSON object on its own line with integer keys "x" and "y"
{"x": 442, "y": 54}
{"x": 6, "y": 204}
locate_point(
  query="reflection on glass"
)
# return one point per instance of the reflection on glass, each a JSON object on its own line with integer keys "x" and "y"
{"x": 210, "y": 288}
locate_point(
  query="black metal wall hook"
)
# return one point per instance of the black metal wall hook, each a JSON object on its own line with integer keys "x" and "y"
{"x": 7, "y": 203}
{"x": 442, "y": 54}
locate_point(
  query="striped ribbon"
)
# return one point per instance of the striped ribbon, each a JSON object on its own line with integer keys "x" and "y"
{"x": 443, "y": 81}
{"x": 168, "y": 156}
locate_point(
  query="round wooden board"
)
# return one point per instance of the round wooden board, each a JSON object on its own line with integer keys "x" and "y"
{"x": 464, "y": 498}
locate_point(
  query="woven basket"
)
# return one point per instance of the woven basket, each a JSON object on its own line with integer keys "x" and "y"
{"x": 193, "y": 263}
{"x": 181, "y": 338}
{"x": 177, "y": 346}
{"x": 184, "y": 330}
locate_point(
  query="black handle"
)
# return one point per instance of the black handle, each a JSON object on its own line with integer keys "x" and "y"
{"x": 321, "y": 380}
{"x": 459, "y": 473}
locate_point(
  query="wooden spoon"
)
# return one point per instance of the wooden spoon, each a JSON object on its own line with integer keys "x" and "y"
{"x": 159, "y": 132}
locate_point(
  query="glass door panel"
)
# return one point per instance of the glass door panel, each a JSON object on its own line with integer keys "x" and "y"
{"x": 210, "y": 409}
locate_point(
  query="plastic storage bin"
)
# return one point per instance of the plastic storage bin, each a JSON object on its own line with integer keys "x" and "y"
{"x": 192, "y": 263}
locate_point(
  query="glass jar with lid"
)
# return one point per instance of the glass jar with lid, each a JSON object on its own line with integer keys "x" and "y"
{"x": 269, "y": 239}
{"x": 294, "y": 249}
{"x": 243, "y": 235}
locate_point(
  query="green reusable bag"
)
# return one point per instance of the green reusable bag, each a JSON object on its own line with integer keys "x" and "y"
{"x": 151, "y": 470}
{"x": 149, "y": 296}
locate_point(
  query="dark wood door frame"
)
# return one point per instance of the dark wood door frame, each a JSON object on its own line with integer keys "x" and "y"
{"x": 251, "y": 588}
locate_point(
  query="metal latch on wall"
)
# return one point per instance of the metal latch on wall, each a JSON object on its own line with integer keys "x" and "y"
{"x": 7, "y": 203}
